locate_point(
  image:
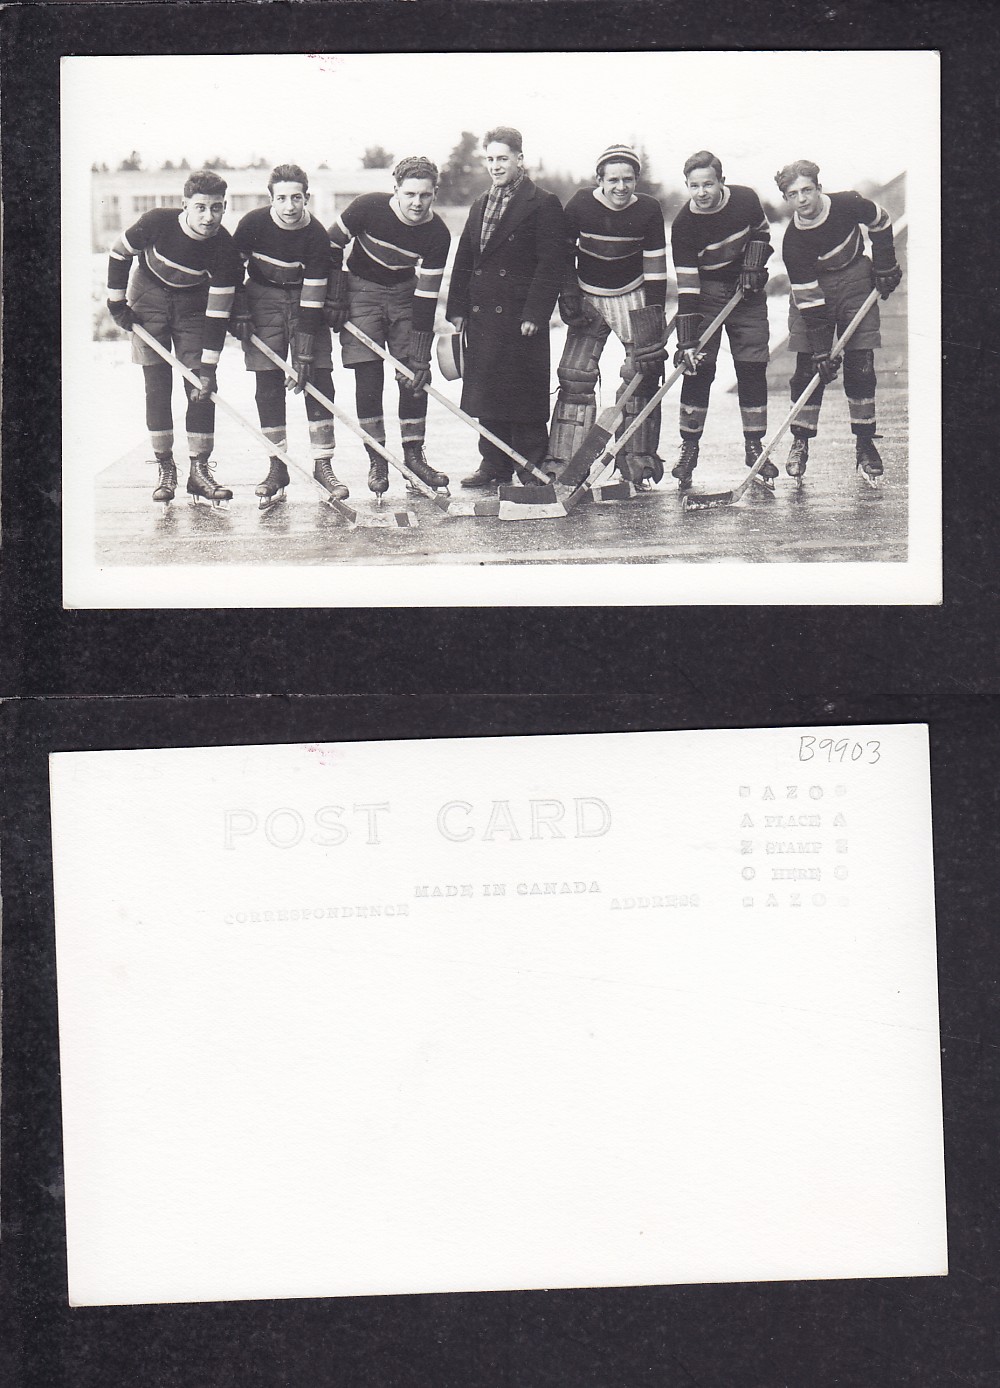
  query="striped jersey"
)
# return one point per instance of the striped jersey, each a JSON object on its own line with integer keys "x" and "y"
{"x": 712, "y": 243}
{"x": 179, "y": 260}
{"x": 289, "y": 258}
{"x": 833, "y": 242}
{"x": 618, "y": 250}
{"x": 390, "y": 251}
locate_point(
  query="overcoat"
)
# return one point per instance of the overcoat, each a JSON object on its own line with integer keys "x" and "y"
{"x": 516, "y": 279}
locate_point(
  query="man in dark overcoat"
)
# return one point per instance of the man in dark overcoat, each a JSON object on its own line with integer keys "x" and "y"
{"x": 510, "y": 266}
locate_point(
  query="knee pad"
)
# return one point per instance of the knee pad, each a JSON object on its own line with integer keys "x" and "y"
{"x": 577, "y": 383}
{"x": 859, "y": 372}
{"x": 368, "y": 376}
{"x": 802, "y": 375}
{"x": 751, "y": 381}
{"x": 570, "y": 423}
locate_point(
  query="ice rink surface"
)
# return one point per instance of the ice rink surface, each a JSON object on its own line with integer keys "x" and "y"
{"x": 832, "y": 516}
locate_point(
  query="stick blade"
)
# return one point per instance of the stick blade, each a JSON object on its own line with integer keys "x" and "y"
{"x": 553, "y": 510}
{"x": 594, "y": 443}
{"x": 488, "y": 506}
{"x": 615, "y": 491}
{"x": 706, "y": 501}
{"x": 528, "y": 496}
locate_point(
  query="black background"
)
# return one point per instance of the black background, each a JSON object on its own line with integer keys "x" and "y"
{"x": 120, "y": 679}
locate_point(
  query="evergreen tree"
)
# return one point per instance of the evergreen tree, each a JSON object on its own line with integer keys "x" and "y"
{"x": 464, "y": 175}
{"x": 376, "y": 157}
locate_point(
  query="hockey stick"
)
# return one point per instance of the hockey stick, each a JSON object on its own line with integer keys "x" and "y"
{"x": 450, "y": 405}
{"x": 345, "y": 419}
{"x": 602, "y": 464}
{"x": 347, "y": 512}
{"x": 600, "y": 432}
{"x": 707, "y": 500}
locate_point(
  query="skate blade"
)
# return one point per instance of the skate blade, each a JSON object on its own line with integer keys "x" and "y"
{"x": 202, "y": 502}
{"x": 766, "y": 484}
{"x": 874, "y": 482}
{"x": 267, "y": 503}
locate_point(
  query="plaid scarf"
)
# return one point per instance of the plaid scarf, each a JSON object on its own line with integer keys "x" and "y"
{"x": 497, "y": 200}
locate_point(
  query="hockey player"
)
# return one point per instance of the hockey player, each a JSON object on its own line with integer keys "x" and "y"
{"x": 390, "y": 290}
{"x": 286, "y": 252}
{"x": 830, "y": 277}
{"x": 619, "y": 269}
{"x": 182, "y": 293}
{"x": 721, "y": 241}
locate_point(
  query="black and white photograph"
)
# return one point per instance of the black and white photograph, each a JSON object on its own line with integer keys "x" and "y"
{"x": 570, "y": 336}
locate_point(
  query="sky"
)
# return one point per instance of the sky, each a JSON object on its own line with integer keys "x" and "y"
{"x": 861, "y": 116}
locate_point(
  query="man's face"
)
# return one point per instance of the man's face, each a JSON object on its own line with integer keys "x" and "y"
{"x": 706, "y": 189}
{"x": 503, "y": 163}
{"x": 288, "y": 202}
{"x": 804, "y": 196}
{"x": 414, "y": 197}
{"x": 203, "y": 213}
{"x": 618, "y": 183}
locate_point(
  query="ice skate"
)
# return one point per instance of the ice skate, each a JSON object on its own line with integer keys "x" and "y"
{"x": 167, "y": 482}
{"x": 202, "y": 486}
{"x": 378, "y": 474}
{"x": 413, "y": 457}
{"x": 327, "y": 478}
{"x": 798, "y": 456}
{"x": 685, "y": 464}
{"x": 272, "y": 489}
{"x": 753, "y": 448}
{"x": 868, "y": 463}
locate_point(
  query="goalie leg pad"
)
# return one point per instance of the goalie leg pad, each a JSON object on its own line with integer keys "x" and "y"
{"x": 571, "y": 422}
{"x": 646, "y": 438}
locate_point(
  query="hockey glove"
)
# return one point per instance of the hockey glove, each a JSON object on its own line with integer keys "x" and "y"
{"x": 827, "y": 368}
{"x": 209, "y": 384}
{"x": 419, "y": 362}
{"x": 687, "y": 354}
{"x": 753, "y": 273}
{"x": 302, "y": 360}
{"x": 888, "y": 280}
{"x": 649, "y": 332}
{"x": 241, "y": 324}
{"x": 337, "y": 308}
{"x": 122, "y": 314}
{"x": 573, "y": 312}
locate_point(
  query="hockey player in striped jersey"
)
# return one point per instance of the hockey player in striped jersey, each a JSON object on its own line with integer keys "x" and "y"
{"x": 389, "y": 289}
{"x": 830, "y": 277}
{"x": 182, "y": 292}
{"x": 287, "y": 252}
{"x": 720, "y": 241}
{"x": 619, "y": 267}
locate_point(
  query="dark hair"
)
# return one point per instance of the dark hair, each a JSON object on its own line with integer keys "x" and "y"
{"x": 798, "y": 168}
{"x": 416, "y": 166}
{"x": 205, "y": 181}
{"x": 504, "y": 135}
{"x": 703, "y": 159}
{"x": 288, "y": 173}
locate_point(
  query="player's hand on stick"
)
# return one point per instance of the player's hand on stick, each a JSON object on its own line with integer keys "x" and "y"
{"x": 528, "y": 329}
{"x": 888, "y": 280}
{"x": 337, "y": 308}
{"x": 419, "y": 361}
{"x": 209, "y": 384}
{"x": 689, "y": 359}
{"x": 241, "y": 326}
{"x": 122, "y": 314}
{"x": 687, "y": 355}
{"x": 827, "y": 368}
{"x": 302, "y": 360}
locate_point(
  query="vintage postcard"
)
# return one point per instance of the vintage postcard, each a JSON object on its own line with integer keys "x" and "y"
{"x": 601, "y": 1010}
{"x": 501, "y": 329}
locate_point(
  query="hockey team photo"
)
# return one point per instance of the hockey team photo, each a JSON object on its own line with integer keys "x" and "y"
{"x": 586, "y": 328}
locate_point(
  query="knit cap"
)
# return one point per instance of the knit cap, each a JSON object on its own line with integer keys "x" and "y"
{"x": 620, "y": 153}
